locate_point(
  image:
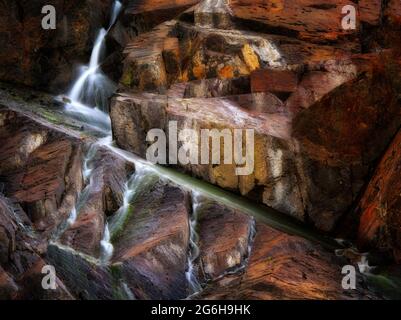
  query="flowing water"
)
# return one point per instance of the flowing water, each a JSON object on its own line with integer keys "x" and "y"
{"x": 140, "y": 181}
{"x": 88, "y": 100}
{"x": 88, "y": 97}
{"x": 190, "y": 274}
{"x": 106, "y": 246}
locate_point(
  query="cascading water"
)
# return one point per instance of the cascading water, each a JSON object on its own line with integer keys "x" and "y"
{"x": 106, "y": 246}
{"x": 88, "y": 97}
{"x": 83, "y": 196}
{"x": 193, "y": 254}
{"x": 142, "y": 177}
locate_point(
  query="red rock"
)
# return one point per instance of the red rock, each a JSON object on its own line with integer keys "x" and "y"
{"x": 104, "y": 196}
{"x": 42, "y": 58}
{"x": 316, "y": 21}
{"x": 270, "y": 80}
{"x": 284, "y": 267}
{"x": 46, "y": 177}
{"x": 145, "y": 15}
{"x": 370, "y": 11}
{"x": 393, "y": 12}
{"x": 379, "y": 208}
{"x": 225, "y": 237}
{"x": 152, "y": 246}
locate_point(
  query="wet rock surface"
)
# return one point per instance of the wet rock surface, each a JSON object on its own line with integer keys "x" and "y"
{"x": 324, "y": 104}
{"x": 285, "y": 267}
{"x": 240, "y": 65}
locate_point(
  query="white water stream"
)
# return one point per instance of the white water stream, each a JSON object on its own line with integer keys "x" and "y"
{"x": 193, "y": 254}
{"x": 88, "y": 97}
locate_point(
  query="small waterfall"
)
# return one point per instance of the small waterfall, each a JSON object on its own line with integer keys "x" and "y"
{"x": 117, "y": 6}
{"x": 87, "y": 171}
{"x": 140, "y": 179}
{"x": 193, "y": 254}
{"x": 106, "y": 246}
{"x": 88, "y": 97}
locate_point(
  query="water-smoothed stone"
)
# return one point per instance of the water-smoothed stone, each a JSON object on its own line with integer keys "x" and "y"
{"x": 85, "y": 278}
{"x": 313, "y": 151}
{"x": 153, "y": 244}
{"x": 42, "y": 58}
{"x": 379, "y": 208}
{"x": 287, "y": 267}
{"x": 103, "y": 196}
{"x": 32, "y": 288}
{"x": 48, "y": 177}
{"x": 20, "y": 262}
{"x": 225, "y": 239}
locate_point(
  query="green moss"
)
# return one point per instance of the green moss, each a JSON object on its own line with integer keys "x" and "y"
{"x": 127, "y": 78}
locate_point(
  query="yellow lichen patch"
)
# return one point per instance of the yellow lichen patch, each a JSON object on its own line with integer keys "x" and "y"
{"x": 261, "y": 170}
{"x": 241, "y": 67}
{"x": 224, "y": 176}
{"x": 250, "y": 57}
{"x": 126, "y": 79}
{"x": 199, "y": 69}
{"x": 226, "y": 72}
{"x": 199, "y": 72}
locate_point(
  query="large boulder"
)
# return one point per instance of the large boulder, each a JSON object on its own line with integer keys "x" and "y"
{"x": 152, "y": 243}
{"x": 41, "y": 168}
{"x": 284, "y": 267}
{"x": 380, "y": 207}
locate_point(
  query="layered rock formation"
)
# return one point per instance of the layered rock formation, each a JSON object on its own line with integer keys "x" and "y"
{"x": 238, "y": 65}
{"x": 323, "y": 101}
{"x": 46, "y": 58}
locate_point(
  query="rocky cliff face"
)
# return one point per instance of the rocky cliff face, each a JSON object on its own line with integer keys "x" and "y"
{"x": 242, "y": 65}
{"x": 324, "y": 104}
{"x": 46, "y": 59}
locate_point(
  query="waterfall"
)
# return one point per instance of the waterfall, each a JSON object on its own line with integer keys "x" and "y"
{"x": 193, "y": 254}
{"x": 88, "y": 97}
{"x": 142, "y": 178}
{"x": 106, "y": 246}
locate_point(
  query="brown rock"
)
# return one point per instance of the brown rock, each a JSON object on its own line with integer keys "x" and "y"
{"x": 284, "y": 81}
{"x": 153, "y": 244}
{"x": 370, "y": 11}
{"x": 284, "y": 267}
{"x": 225, "y": 237}
{"x": 47, "y": 176}
{"x": 141, "y": 16}
{"x": 103, "y": 195}
{"x": 42, "y": 58}
{"x": 315, "y": 21}
{"x": 379, "y": 209}
{"x": 8, "y": 288}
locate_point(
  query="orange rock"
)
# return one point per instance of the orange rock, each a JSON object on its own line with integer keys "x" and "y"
{"x": 271, "y": 80}
{"x": 380, "y": 206}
